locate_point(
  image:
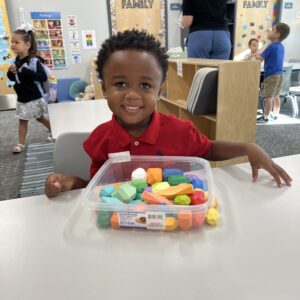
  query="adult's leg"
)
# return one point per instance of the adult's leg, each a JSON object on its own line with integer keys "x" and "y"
{"x": 268, "y": 106}
{"x": 23, "y": 127}
{"x": 221, "y": 45}
{"x": 276, "y": 107}
{"x": 199, "y": 44}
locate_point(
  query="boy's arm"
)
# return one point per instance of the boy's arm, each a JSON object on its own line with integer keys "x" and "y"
{"x": 258, "y": 158}
{"x": 259, "y": 56}
{"x": 57, "y": 183}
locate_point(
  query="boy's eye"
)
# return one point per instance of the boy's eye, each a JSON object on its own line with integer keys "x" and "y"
{"x": 145, "y": 85}
{"x": 120, "y": 84}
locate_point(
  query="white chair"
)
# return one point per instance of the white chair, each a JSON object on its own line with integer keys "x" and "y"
{"x": 295, "y": 92}
{"x": 69, "y": 156}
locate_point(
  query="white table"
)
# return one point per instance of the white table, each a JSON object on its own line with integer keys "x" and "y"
{"x": 49, "y": 249}
{"x": 78, "y": 116}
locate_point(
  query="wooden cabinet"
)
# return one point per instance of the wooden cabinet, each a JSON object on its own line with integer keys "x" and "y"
{"x": 237, "y": 96}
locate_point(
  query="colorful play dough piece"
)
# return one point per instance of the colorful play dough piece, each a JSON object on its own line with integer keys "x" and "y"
{"x": 197, "y": 184}
{"x": 139, "y": 184}
{"x": 139, "y": 173}
{"x": 154, "y": 175}
{"x": 173, "y": 191}
{"x": 185, "y": 219}
{"x": 111, "y": 200}
{"x": 114, "y": 221}
{"x": 170, "y": 172}
{"x": 159, "y": 186}
{"x": 107, "y": 191}
{"x": 197, "y": 198}
{"x": 171, "y": 223}
{"x": 126, "y": 192}
{"x": 182, "y": 200}
{"x": 155, "y": 199}
{"x": 177, "y": 179}
{"x": 212, "y": 217}
{"x": 198, "y": 219}
{"x": 103, "y": 218}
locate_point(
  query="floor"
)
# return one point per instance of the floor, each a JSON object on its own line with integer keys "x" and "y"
{"x": 279, "y": 140}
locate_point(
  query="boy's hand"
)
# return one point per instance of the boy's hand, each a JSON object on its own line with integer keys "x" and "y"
{"x": 13, "y": 68}
{"x": 259, "y": 159}
{"x": 57, "y": 183}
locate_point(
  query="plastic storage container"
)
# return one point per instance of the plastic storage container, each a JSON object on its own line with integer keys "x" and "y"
{"x": 140, "y": 215}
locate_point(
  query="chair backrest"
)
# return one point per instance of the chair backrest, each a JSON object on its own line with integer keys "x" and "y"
{"x": 63, "y": 88}
{"x": 287, "y": 78}
{"x": 69, "y": 156}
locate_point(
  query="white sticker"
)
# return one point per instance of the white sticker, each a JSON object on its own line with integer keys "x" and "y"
{"x": 119, "y": 156}
{"x": 156, "y": 220}
{"x": 179, "y": 69}
{"x": 132, "y": 220}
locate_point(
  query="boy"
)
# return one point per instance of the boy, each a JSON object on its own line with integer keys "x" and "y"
{"x": 253, "y": 46}
{"x": 132, "y": 66}
{"x": 273, "y": 56}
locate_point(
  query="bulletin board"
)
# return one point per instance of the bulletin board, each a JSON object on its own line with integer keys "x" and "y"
{"x": 253, "y": 20}
{"x": 5, "y": 51}
{"x": 142, "y": 15}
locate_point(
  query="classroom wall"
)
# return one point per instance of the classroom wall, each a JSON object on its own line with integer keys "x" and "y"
{"x": 291, "y": 16}
{"x": 91, "y": 15}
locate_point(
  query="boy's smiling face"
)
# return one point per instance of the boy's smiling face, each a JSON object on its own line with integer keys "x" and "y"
{"x": 132, "y": 82}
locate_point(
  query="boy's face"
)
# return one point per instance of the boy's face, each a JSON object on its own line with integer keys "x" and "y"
{"x": 253, "y": 46}
{"x": 273, "y": 35}
{"x": 131, "y": 84}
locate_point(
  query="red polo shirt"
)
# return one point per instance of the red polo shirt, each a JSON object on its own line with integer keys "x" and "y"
{"x": 166, "y": 135}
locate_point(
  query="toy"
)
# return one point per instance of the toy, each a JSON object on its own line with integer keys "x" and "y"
{"x": 154, "y": 175}
{"x": 89, "y": 93}
{"x": 185, "y": 219}
{"x": 182, "y": 200}
{"x": 212, "y": 216}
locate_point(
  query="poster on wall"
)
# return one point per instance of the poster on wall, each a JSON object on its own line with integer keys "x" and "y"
{"x": 89, "y": 39}
{"x": 74, "y": 39}
{"x": 49, "y": 38}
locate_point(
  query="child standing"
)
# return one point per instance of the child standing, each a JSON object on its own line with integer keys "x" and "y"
{"x": 273, "y": 57}
{"x": 132, "y": 66}
{"x": 253, "y": 46}
{"x": 30, "y": 104}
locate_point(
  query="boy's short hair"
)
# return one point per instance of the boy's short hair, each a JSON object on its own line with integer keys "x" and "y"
{"x": 132, "y": 40}
{"x": 252, "y": 40}
{"x": 283, "y": 29}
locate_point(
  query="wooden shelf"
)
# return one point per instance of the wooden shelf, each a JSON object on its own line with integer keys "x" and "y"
{"x": 235, "y": 118}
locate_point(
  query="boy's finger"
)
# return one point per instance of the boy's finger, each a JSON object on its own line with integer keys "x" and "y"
{"x": 284, "y": 175}
{"x": 254, "y": 173}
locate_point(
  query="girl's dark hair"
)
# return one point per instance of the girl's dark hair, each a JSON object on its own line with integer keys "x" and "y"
{"x": 252, "y": 40}
{"x": 132, "y": 40}
{"x": 28, "y": 37}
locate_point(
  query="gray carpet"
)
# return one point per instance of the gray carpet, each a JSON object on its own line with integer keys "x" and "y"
{"x": 38, "y": 165}
{"x": 12, "y": 165}
{"x": 276, "y": 140}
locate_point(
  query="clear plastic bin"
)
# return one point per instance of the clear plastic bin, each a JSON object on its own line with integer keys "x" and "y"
{"x": 141, "y": 215}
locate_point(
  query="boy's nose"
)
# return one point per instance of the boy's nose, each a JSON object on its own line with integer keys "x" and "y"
{"x": 132, "y": 94}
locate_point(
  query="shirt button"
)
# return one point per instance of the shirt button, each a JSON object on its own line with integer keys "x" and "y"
{"x": 136, "y": 143}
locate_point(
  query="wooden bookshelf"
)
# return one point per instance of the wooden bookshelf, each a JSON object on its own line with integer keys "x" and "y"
{"x": 237, "y": 96}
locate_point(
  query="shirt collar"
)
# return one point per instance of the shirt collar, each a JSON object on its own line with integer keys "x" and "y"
{"x": 149, "y": 136}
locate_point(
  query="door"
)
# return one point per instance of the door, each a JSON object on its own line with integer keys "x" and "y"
{"x": 149, "y": 15}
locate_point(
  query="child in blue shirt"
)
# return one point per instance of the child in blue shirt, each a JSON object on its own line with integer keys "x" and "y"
{"x": 273, "y": 57}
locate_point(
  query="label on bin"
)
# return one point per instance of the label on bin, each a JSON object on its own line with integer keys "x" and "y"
{"x": 132, "y": 219}
{"x": 118, "y": 157}
{"x": 148, "y": 220}
{"x": 155, "y": 220}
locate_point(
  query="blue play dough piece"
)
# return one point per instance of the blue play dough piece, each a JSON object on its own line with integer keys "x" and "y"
{"x": 107, "y": 191}
{"x": 111, "y": 200}
{"x": 171, "y": 172}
